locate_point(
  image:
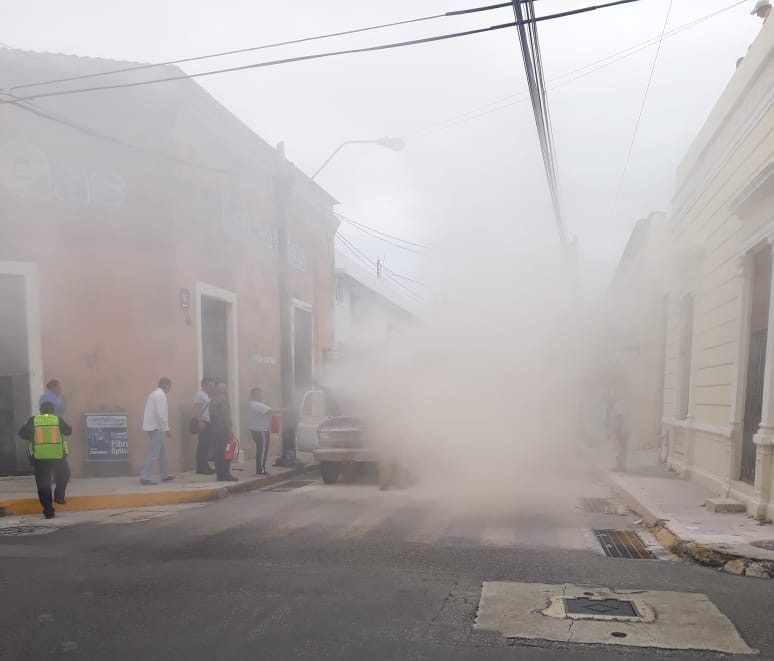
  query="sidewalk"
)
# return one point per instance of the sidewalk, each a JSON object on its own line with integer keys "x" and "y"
{"x": 675, "y": 509}
{"x": 18, "y": 495}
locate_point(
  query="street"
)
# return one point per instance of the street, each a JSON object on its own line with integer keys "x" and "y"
{"x": 309, "y": 571}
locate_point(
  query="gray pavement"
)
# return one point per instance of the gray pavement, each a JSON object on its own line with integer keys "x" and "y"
{"x": 321, "y": 572}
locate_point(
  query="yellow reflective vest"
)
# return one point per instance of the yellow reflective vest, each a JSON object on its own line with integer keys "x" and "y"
{"x": 47, "y": 441}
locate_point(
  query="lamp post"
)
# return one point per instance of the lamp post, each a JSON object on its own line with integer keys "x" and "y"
{"x": 396, "y": 144}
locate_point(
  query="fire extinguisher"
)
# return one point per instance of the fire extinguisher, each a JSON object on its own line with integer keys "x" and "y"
{"x": 232, "y": 448}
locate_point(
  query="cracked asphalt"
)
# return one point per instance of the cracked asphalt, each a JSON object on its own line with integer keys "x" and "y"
{"x": 326, "y": 572}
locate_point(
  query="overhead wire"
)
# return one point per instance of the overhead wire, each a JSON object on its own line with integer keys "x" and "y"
{"x": 642, "y": 108}
{"x": 327, "y": 54}
{"x": 592, "y": 67}
{"x": 382, "y": 236}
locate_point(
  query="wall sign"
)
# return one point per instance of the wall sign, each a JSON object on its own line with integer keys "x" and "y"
{"x": 107, "y": 437}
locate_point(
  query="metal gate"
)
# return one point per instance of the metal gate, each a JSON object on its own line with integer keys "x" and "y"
{"x": 753, "y": 402}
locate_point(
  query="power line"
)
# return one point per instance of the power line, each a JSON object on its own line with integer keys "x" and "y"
{"x": 316, "y": 56}
{"x": 530, "y": 51}
{"x": 381, "y": 235}
{"x": 593, "y": 67}
{"x": 642, "y": 108}
{"x": 404, "y": 277}
{"x": 238, "y": 51}
{"x": 363, "y": 258}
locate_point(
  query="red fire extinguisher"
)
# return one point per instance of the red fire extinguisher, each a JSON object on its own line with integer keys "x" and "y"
{"x": 232, "y": 448}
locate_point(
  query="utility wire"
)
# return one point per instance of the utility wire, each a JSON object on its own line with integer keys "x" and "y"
{"x": 404, "y": 277}
{"x": 316, "y": 56}
{"x": 586, "y": 70}
{"x": 378, "y": 234}
{"x": 642, "y": 109}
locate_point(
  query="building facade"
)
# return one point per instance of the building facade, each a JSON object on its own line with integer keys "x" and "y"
{"x": 369, "y": 313}
{"x": 718, "y": 390}
{"x": 140, "y": 240}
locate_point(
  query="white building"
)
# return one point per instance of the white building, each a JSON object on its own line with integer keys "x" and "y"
{"x": 369, "y": 311}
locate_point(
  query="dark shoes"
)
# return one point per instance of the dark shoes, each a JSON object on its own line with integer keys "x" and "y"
{"x": 262, "y": 473}
{"x": 168, "y": 478}
{"x": 49, "y": 515}
{"x": 147, "y": 482}
{"x": 209, "y": 471}
{"x": 60, "y": 501}
{"x": 228, "y": 478}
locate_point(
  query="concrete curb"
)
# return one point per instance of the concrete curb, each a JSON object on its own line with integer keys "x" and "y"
{"x": 20, "y": 506}
{"x": 702, "y": 554}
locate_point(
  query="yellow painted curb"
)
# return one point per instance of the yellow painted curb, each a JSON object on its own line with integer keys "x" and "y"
{"x": 19, "y": 506}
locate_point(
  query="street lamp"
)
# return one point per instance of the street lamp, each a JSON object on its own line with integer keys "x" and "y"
{"x": 396, "y": 144}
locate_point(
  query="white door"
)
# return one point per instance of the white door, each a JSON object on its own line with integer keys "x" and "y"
{"x": 313, "y": 413}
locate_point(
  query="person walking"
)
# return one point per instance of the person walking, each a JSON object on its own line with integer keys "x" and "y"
{"x": 48, "y": 452}
{"x": 201, "y": 412}
{"x": 260, "y": 428}
{"x": 53, "y": 394}
{"x": 220, "y": 427}
{"x": 156, "y": 424}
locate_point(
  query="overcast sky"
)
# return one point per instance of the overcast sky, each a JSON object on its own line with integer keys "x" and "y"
{"x": 477, "y": 174}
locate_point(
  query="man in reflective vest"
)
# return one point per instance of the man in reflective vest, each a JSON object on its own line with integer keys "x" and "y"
{"x": 48, "y": 452}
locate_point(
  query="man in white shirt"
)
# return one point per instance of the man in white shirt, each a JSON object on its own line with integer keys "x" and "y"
{"x": 201, "y": 411}
{"x": 156, "y": 424}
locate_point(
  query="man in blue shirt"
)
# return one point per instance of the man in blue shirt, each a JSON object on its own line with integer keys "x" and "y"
{"x": 53, "y": 395}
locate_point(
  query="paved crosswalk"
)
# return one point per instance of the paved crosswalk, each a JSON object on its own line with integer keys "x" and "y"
{"x": 347, "y": 513}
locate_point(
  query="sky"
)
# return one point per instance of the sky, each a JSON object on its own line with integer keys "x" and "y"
{"x": 462, "y": 180}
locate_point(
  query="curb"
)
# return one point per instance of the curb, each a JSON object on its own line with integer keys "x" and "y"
{"x": 21, "y": 506}
{"x": 700, "y": 553}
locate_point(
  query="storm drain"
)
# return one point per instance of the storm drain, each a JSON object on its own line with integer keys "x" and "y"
{"x": 290, "y": 485}
{"x": 623, "y": 544}
{"x": 594, "y": 608}
{"x": 20, "y": 531}
{"x": 599, "y": 506}
{"x": 766, "y": 544}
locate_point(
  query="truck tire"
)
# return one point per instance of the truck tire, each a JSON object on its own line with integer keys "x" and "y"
{"x": 330, "y": 471}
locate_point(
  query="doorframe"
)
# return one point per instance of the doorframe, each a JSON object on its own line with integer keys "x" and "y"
{"x": 205, "y": 290}
{"x": 29, "y": 273}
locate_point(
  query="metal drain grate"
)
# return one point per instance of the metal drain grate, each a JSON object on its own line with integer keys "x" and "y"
{"x": 623, "y": 544}
{"x": 599, "y": 505}
{"x": 618, "y": 608}
{"x": 290, "y": 485}
{"x": 765, "y": 544}
{"x": 19, "y": 531}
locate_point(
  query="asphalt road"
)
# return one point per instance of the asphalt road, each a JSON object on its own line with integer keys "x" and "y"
{"x": 326, "y": 572}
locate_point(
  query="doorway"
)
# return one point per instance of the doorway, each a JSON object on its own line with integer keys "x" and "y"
{"x": 215, "y": 338}
{"x": 216, "y": 323}
{"x": 756, "y": 361}
{"x": 303, "y": 361}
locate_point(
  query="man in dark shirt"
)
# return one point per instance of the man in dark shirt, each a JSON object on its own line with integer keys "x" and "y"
{"x": 220, "y": 431}
{"x": 48, "y": 454}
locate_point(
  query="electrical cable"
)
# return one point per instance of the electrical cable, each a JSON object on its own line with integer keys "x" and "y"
{"x": 642, "y": 109}
{"x": 316, "y": 56}
{"x": 593, "y": 67}
{"x": 381, "y": 235}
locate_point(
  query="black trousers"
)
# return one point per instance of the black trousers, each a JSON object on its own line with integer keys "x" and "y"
{"x": 203, "y": 450}
{"x": 262, "y": 440}
{"x": 47, "y": 470}
{"x": 218, "y": 442}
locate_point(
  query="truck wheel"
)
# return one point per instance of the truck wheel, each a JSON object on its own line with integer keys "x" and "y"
{"x": 330, "y": 471}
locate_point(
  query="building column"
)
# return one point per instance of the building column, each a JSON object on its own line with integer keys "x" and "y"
{"x": 764, "y": 439}
{"x": 744, "y": 266}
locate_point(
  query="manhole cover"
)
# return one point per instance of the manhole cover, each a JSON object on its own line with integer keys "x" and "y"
{"x": 598, "y": 506}
{"x": 618, "y": 608}
{"x": 623, "y": 544}
{"x": 765, "y": 544}
{"x": 19, "y": 531}
{"x": 290, "y": 485}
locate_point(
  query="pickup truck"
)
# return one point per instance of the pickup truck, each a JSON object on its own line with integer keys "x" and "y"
{"x": 336, "y": 440}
